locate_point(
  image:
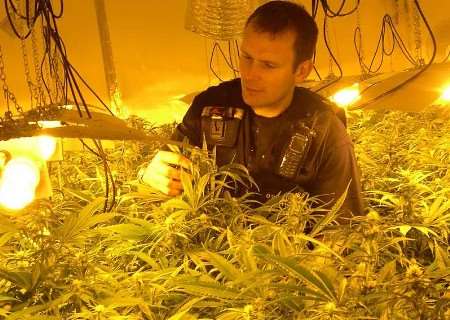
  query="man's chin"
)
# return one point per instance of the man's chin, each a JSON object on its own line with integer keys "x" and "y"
{"x": 251, "y": 99}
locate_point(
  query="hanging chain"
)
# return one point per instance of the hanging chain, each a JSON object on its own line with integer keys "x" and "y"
{"x": 363, "y": 67}
{"x": 417, "y": 36}
{"x": 34, "y": 93}
{"x": 331, "y": 74}
{"x": 41, "y": 96}
{"x": 46, "y": 69}
{"x": 31, "y": 87}
{"x": 9, "y": 96}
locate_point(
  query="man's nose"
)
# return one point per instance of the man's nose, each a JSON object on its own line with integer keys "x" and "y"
{"x": 251, "y": 72}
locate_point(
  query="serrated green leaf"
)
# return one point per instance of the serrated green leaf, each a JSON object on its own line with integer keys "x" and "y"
{"x": 21, "y": 279}
{"x": 223, "y": 265}
{"x": 216, "y": 290}
{"x": 294, "y": 269}
{"x": 128, "y": 231}
{"x": 182, "y": 312}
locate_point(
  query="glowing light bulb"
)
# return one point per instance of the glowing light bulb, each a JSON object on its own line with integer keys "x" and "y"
{"x": 47, "y": 146}
{"x": 346, "y": 96}
{"x": 18, "y": 184}
{"x": 444, "y": 99}
{"x": 446, "y": 94}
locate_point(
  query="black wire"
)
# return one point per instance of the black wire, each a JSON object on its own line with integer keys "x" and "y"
{"x": 314, "y": 8}
{"x": 229, "y": 63}
{"x": 211, "y": 67}
{"x": 108, "y": 177}
{"x": 415, "y": 76}
{"x": 89, "y": 148}
{"x": 333, "y": 14}
{"x": 231, "y": 58}
{"x": 358, "y": 49}
{"x": 108, "y": 174}
{"x": 13, "y": 27}
{"x": 332, "y": 57}
{"x": 91, "y": 90}
{"x": 381, "y": 49}
{"x": 314, "y": 66}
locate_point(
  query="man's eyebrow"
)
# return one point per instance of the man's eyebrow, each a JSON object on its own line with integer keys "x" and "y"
{"x": 263, "y": 61}
{"x": 244, "y": 52}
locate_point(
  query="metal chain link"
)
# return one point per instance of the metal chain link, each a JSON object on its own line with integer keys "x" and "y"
{"x": 330, "y": 60}
{"x": 37, "y": 69}
{"x": 417, "y": 36}
{"x": 9, "y": 96}
{"x": 47, "y": 72}
{"x": 34, "y": 94}
{"x": 55, "y": 69}
{"x": 364, "y": 70}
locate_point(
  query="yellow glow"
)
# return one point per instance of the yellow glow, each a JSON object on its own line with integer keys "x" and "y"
{"x": 47, "y": 146}
{"x": 18, "y": 183}
{"x": 50, "y": 124}
{"x": 444, "y": 99}
{"x": 346, "y": 96}
{"x": 446, "y": 94}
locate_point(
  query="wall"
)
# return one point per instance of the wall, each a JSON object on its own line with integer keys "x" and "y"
{"x": 158, "y": 61}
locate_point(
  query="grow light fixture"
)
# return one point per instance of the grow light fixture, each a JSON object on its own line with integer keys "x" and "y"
{"x": 23, "y": 173}
{"x": 20, "y": 177}
{"x": 46, "y": 146}
{"x": 444, "y": 99}
{"x": 347, "y": 96}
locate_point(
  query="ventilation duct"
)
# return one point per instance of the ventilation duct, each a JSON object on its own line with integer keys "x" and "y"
{"x": 218, "y": 19}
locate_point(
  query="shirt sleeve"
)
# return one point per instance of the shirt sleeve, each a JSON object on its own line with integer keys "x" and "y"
{"x": 190, "y": 127}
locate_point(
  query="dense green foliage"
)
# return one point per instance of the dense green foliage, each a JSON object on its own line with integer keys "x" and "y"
{"x": 207, "y": 255}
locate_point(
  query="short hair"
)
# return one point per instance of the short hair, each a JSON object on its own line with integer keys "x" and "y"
{"x": 280, "y": 16}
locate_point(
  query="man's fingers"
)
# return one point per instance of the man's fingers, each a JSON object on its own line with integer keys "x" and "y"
{"x": 164, "y": 170}
{"x": 163, "y": 183}
{"x": 172, "y": 158}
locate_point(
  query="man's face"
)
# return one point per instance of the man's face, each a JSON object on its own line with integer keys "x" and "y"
{"x": 266, "y": 66}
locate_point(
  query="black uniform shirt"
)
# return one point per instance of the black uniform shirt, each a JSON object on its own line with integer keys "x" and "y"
{"x": 329, "y": 167}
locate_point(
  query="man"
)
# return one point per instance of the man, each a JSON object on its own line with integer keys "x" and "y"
{"x": 288, "y": 137}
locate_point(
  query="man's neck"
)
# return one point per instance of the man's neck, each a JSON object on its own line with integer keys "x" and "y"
{"x": 274, "y": 110}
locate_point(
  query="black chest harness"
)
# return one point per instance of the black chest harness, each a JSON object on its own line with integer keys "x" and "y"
{"x": 226, "y": 127}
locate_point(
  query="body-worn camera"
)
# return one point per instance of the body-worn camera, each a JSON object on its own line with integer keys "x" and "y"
{"x": 294, "y": 152}
{"x": 220, "y": 125}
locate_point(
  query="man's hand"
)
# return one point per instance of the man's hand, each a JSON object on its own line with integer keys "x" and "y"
{"x": 164, "y": 172}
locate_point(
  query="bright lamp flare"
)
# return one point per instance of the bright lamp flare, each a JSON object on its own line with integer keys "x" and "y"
{"x": 347, "y": 96}
{"x": 47, "y": 146}
{"x": 18, "y": 183}
{"x": 445, "y": 97}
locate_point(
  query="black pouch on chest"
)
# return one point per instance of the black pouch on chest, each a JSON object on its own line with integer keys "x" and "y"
{"x": 295, "y": 151}
{"x": 220, "y": 125}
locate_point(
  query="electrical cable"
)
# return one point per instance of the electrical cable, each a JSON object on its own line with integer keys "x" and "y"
{"x": 415, "y": 76}
{"x": 231, "y": 59}
{"x": 228, "y": 60}
{"x": 55, "y": 51}
{"x": 381, "y": 46}
{"x": 211, "y": 67}
{"x": 108, "y": 174}
{"x": 332, "y": 57}
{"x": 333, "y": 14}
{"x": 329, "y": 13}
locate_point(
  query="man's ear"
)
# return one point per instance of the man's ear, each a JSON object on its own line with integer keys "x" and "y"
{"x": 303, "y": 70}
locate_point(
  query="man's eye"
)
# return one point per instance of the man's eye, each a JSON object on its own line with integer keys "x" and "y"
{"x": 269, "y": 65}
